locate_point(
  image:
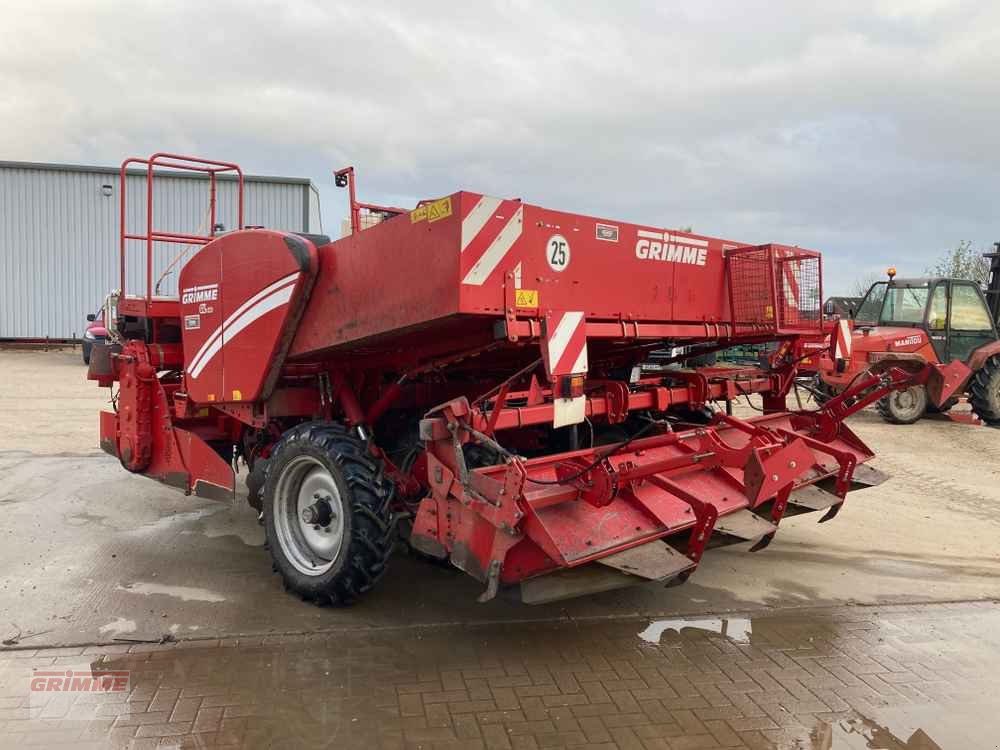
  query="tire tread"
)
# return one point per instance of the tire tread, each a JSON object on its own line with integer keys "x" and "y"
{"x": 984, "y": 391}
{"x": 372, "y": 539}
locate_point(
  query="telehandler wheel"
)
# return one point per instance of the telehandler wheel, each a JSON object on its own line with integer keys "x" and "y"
{"x": 903, "y": 407}
{"x": 326, "y": 513}
{"x": 984, "y": 392}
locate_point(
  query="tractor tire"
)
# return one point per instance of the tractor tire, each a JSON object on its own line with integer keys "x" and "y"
{"x": 327, "y": 519}
{"x": 821, "y": 392}
{"x": 255, "y": 484}
{"x": 984, "y": 392}
{"x": 903, "y": 407}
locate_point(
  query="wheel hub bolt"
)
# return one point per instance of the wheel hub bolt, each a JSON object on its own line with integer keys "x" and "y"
{"x": 318, "y": 514}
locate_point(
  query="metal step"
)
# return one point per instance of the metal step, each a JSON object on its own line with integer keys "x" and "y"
{"x": 655, "y": 561}
{"x": 813, "y": 498}
{"x": 744, "y": 524}
{"x": 572, "y": 582}
{"x": 866, "y": 476}
{"x": 820, "y": 496}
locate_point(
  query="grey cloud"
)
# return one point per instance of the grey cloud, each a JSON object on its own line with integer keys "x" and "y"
{"x": 868, "y": 131}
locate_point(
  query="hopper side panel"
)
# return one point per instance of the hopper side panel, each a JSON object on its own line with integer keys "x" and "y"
{"x": 397, "y": 274}
{"x": 609, "y": 269}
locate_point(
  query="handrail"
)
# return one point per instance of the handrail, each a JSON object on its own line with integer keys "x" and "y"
{"x": 182, "y": 163}
{"x": 345, "y": 178}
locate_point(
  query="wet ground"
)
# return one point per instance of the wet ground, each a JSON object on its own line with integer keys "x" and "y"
{"x": 919, "y": 678}
{"x": 764, "y": 653}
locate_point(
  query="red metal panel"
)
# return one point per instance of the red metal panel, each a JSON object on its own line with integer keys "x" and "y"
{"x": 421, "y": 266}
{"x": 240, "y": 296}
{"x": 200, "y": 284}
{"x": 266, "y": 276}
{"x": 390, "y": 278}
{"x": 620, "y": 270}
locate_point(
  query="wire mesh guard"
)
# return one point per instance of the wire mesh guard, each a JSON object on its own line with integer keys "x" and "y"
{"x": 799, "y": 290}
{"x": 751, "y": 289}
{"x": 367, "y": 218}
{"x": 774, "y": 288}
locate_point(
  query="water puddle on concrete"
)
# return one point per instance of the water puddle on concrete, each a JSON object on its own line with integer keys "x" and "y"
{"x": 865, "y": 733}
{"x": 184, "y": 593}
{"x": 916, "y": 727}
{"x": 736, "y": 629}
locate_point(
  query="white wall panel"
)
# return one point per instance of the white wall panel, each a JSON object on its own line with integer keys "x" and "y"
{"x": 59, "y": 236}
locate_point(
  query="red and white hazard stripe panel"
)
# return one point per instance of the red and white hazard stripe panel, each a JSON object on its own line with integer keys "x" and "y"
{"x": 842, "y": 341}
{"x": 489, "y": 231}
{"x": 564, "y": 350}
{"x": 565, "y": 343}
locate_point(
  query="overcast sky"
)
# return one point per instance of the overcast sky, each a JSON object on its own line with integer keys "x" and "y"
{"x": 868, "y": 130}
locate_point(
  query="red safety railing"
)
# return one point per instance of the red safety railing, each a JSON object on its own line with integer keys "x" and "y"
{"x": 182, "y": 163}
{"x": 345, "y": 178}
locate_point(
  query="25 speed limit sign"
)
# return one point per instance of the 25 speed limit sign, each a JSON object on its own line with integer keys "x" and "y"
{"x": 557, "y": 252}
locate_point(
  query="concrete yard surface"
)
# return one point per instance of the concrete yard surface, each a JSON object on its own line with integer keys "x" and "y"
{"x": 896, "y": 677}
{"x": 92, "y": 552}
{"x": 47, "y": 405}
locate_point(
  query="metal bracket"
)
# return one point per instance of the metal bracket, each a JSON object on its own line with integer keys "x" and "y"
{"x": 598, "y": 483}
{"x": 492, "y": 582}
{"x": 616, "y": 397}
{"x": 705, "y": 514}
{"x": 697, "y": 385}
{"x": 510, "y": 305}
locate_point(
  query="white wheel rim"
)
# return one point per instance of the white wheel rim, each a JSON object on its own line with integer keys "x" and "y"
{"x": 304, "y": 489}
{"x": 906, "y": 403}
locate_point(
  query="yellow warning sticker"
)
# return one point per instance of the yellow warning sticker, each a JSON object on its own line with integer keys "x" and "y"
{"x": 211, "y": 397}
{"x": 769, "y": 312}
{"x": 237, "y": 396}
{"x": 439, "y": 209}
{"x": 526, "y": 298}
{"x": 418, "y": 214}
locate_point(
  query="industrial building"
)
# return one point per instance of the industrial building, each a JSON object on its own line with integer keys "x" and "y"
{"x": 59, "y": 235}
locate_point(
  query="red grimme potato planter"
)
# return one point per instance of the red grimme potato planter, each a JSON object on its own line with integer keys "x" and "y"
{"x": 514, "y": 389}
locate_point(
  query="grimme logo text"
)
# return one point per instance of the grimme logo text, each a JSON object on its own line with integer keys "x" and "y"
{"x": 79, "y": 681}
{"x": 653, "y": 250}
{"x": 676, "y": 249}
{"x": 204, "y": 293}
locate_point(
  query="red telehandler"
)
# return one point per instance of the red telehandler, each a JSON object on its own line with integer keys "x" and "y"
{"x": 472, "y": 375}
{"x": 943, "y": 323}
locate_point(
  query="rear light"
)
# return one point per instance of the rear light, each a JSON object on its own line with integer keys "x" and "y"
{"x": 571, "y": 386}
